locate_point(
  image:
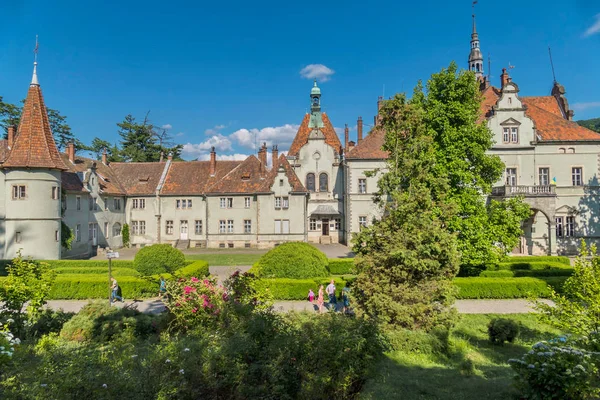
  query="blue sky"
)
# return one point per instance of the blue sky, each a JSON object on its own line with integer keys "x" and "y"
{"x": 229, "y": 73}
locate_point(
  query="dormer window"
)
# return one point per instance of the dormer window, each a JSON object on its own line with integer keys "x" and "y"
{"x": 246, "y": 176}
{"x": 510, "y": 134}
{"x": 144, "y": 179}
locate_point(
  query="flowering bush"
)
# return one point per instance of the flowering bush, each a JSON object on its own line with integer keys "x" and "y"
{"x": 552, "y": 371}
{"x": 7, "y": 345}
{"x": 195, "y": 302}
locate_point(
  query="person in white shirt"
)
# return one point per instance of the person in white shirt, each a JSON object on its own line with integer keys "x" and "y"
{"x": 331, "y": 293}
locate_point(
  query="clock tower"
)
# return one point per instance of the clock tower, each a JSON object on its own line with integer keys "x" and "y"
{"x": 316, "y": 120}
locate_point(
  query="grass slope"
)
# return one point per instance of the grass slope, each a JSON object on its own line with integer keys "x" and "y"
{"x": 422, "y": 373}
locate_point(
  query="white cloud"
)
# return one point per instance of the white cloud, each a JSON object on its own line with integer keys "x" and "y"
{"x": 317, "y": 71}
{"x": 224, "y": 157}
{"x": 180, "y": 134}
{"x": 585, "y": 106}
{"x": 219, "y": 142}
{"x": 595, "y": 28}
{"x": 167, "y": 126}
{"x": 215, "y": 130}
{"x": 280, "y": 135}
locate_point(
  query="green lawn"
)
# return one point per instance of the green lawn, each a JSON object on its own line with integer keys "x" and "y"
{"x": 226, "y": 258}
{"x": 419, "y": 371}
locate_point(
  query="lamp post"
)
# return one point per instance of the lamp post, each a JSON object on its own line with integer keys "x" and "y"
{"x": 110, "y": 255}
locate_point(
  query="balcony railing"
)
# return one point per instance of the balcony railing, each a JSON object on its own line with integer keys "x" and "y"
{"x": 522, "y": 190}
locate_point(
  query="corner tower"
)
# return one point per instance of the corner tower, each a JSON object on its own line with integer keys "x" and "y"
{"x": 475, "y": 56}
{"x": 32, "y": 184}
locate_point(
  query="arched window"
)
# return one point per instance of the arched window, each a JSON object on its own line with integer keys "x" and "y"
{"x": 323, "y": 182}
{"x": 116, "y": 229}
{"x": 310, "y": 182}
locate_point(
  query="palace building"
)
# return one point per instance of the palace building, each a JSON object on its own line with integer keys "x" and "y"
{"x": 319, "y": 192}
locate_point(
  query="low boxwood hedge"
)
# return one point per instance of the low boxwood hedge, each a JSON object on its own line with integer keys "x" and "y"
{"x": 86, "y": 286}
{"x": 97, "y": 271}
{"x": 538, "y": 265}
{"x": 197, "y": 269}
{"x": 341, "y": 266}
{"x": 297, "y": 289}
{"x": 506, "y": 288}
{"x": 527, "y": 273}
{"x": 528, "y": 259}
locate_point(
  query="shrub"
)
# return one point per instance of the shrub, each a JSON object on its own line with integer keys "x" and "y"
{"x": 125, "y": 235}
{"x": 296, "y": 260}
{"x": 157, "y": 259}
{"x": 497, "y": 274}
{"x": 48, "y": 321}
{"x": 97, "y": 321}
{"x": 341, "y": 266}
{"x": 553, "y": 372}
{"x": 502, "y": 330}
{"x": 506, "y": 288}
{"x": 530, "y": 266}
{"x": 97, "y": 271}
{"x": 89, "y": 286}
{"x": 528, "y": 259}
{"x": 527, "y": 273}
{"x": 197, "y": 269}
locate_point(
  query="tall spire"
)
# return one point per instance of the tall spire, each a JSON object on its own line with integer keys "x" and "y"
{"x": 475, "y": 56}
{"x": 316, "y": 120}
{"x": 34, "y": 78}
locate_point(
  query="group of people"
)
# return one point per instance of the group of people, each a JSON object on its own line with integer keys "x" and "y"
{"x": 330, "y": 290}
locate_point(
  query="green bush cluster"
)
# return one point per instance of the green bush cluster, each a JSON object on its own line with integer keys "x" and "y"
{"x": 97, "y": 271}
{"x": 527, "y": 273}
{"x": 295, "y": 260}
{"x": 158, "y": 259}
{"x": 197, "y": 269}
{"x": 87, "y": 286}
{"x": 341, "y": 266}
{"x": 506, "y": 288}
{"x": 537, "y": 265}
{"x": 552, "y": 259}
{"x": 502, "y": 330}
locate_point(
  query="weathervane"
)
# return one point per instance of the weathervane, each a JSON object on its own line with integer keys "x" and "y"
{"x": 35, "y": 51}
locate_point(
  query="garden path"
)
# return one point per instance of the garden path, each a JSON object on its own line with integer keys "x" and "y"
{"x": 155, "y": 306}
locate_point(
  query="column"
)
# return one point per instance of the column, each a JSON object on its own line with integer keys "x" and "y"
{"x": 552, "y": 245}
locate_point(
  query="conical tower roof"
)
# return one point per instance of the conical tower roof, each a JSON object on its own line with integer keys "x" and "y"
{"x": 34, "y": 146}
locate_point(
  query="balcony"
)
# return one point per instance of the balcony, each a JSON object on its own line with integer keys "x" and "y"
{"x": 526, "y": 191}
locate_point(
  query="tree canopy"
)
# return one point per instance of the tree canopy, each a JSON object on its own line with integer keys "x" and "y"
{"x": 143, "y": 141}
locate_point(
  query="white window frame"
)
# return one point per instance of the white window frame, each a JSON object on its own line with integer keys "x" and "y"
{"x": 515, "y": 176}
{"x": 117, "y": 203}
{"x": 285, "y": 203}
{"x": 514, "y": 134}
{"x": 106, "y": 230}
{"x": 362, "y": 220}
{"x": 546, "y": 176}
{"x": 229, "y": 226}
{"x": 78, "y": 233}
{"x": 223, "y": 202}
{"x": 230, "y": 202}
{"x": 169, "y": 226}
{"x": 19, "y": 192}
{"x": 78, "y": 203}
{"x": 570, "y": 226}
{"x": 247, "y": 202}
{"x": 55, "y": 193}
{"x": 362, "y": 185}
{"x": 198, "y": 227}
{"x": 505, "y": 134}
{"x": 222, "y": 226}
{"x": 277, "y": 202}
{"x": 312, "y": 224}
{"x": 142, "y": 227}
{"x": 560, "y": 232}
{"x": 138, "y": 204}
{"x": 575, "y": 175}
{"x": 247, "y": 226}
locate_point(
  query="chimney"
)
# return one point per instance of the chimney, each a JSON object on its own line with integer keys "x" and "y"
{"x": 346, "y": 137}
{"x": 351, "y": 145}
{"x": 504, "y": 78}
{"x": 104, "y": 157}
{"x": 213, "y": 161}
{"x": 11, "y": 136}
{"x": 162, "y": 156}
{"x": 359, "y": 128}
{"x": 71, "y": 151}
{"x": 262, "y": 157}
{"x": 275, "y": 156}
{"x": 170, "y": 156}
{"x": 377, "y": 119}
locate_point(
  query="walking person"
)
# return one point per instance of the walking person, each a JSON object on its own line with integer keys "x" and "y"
{"x": 346, "y": 299}
{"x": 311, "y": 295}
{"x": 162, "y": 290}
{"x": 331, "y": 293}
{"x": 115, "y": 291}
{"x": 320, "y": 299}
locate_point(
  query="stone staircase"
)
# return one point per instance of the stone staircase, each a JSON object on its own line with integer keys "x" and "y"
{"x": 182, "y": 244}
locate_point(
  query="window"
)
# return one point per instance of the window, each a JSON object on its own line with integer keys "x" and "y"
{"x": 226, "y": 202}
{"x": 362, "y": 221}
{"x": 246, "y": 202}
{"x": 323, "y": 182}
{"x": 281, "y": 182}
{"x": 223, "y": 202}
{"x": 178, "y": 204}
{"x": 362, "y": 186}
{"x": 514, "y": 135}
{"x": 117, "y": 229}
{"x": 559, "y": 227}
{"x": 229, "y": 226}
{"x": 90, "y": 231}
{"x": 277, "y": 202}
{"x": 511, "y": 177}
{"x": 222, "y": 226}
{"x": 312, "y": 225}
{"x": 221, "y": 245}
{"x": 18, "y": 237}
{"x": 577, "y": 176}
{"x": 338, "y": 224}
{"x": 562, "y": 150}
{"x": 570, "y": 226}
{"x": 506, "y": 135}
{"x": 142, "y": 227}
{"x": 230, "y": 245}
{"x": 57, "y": 235}
{"x": 117, "y": 203}
{"x": 230, "y": 202}
{"x": 96, "y": 207}
{"x": 247, "y": 226}
{"x": 169, "y": 229}
{"x": 106, "y": 232}
{"x": 198, "y": 225}
{"x": 78, "y": 233}
{"x": 78, "y": 202}
{"x": 277, "y": 226}
{"x": 310, "y": 182}
{"x": 138, "y": 227}
{"x": 182, "y": 204}
{"x": 285, "y": 202}
{"x": 139, "y": 203}
{"x": 544, "y": 176}
{"x": 55, "y": 193}
{"x": 285, "y": 226}
{"x": 106, "y": 200}
{"x": 90, "y": 203}
{"x": 19, "y": 192}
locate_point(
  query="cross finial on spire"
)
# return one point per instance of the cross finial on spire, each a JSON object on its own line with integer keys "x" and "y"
{"x": 34, "y": 78}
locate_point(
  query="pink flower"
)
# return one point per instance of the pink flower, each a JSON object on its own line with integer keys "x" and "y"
{"x": 194, "y": 310}
{"x": 189, "y": 289}
{"x": 177, "y": 304}
{"x": 194, "y": 279}
{"x": 225, "y": 297}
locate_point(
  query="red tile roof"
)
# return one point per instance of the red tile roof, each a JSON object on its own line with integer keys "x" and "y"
{"x": 547, "y": 103}
{"x": 295, "y": 182}
{"x": 109, "y": 183}
{"x": 193, "y": 177}
{"x": 34, "y": 145}
{"x": 331, "y": 137}
{"x": 370, "y": 147}
{"x": 246, "y": 177}
{"x": 138, "y": 178}
{"x": 3, "y": 150}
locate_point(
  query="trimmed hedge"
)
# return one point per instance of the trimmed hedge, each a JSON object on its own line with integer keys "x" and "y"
{"x": 506, "y": 288}
{"x": 158, "y": 259}
{"x": 529, "y": 259}
{"x": 295, "y": 260}
{"x": 341, "y": 266}
{"x": 86, "y": 286}
{"x": 297, "y": 289}
{"x": 527, "y": 273}
{"x": 197, "y": 269}
{"x": 97, "y": 271}
{"x": 530, "y": 266}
